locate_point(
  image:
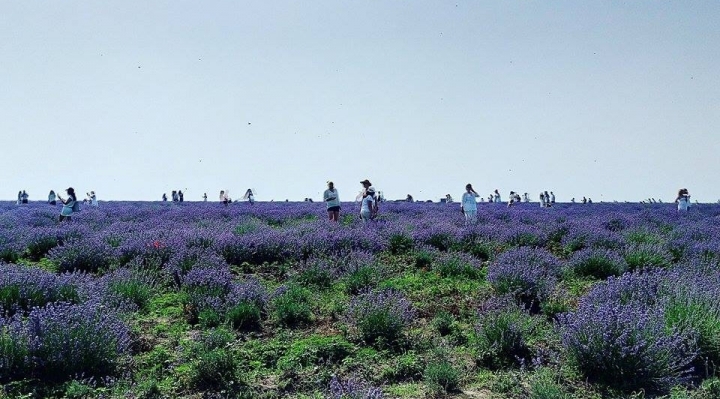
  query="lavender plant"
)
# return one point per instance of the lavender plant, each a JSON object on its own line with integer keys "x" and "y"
{"x": 380, "y": 316}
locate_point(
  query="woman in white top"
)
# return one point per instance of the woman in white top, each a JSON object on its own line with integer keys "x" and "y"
{"x": 368, "y": 210}
{"x": 683, "y": 200}
{"x": 496, "y": 196}
{"x": 332, "y": 200}
{"x": 468, "y": 204}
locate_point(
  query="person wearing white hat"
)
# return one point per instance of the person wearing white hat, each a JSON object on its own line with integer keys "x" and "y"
{"x": 369, "y": 207}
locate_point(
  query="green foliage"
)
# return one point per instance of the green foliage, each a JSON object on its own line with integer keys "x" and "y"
{"x": 214, "y": 370}
{"x": 245, "y": 316}
{"x": 209, "y": 318}
{"x": 703, "y": 320}
{"x": 13, "y": 353}
{"x": 134, "y": 290}
{"x": 544, "y": 384}
{"x": 316, "y": 275}
{"x": 423, "y": 259}
{"x": 360, "y": 279}
{"x": 315, "y": 350}
{"x": 441, "y": 377}
{"x": 292, "y": 307}
{"x": 406, "y": 367}
{"x": 456, "y": 266}
{"x": 443, "y": 322}
{"x": 501, "y": 337}
{"x": 399, "y": 244}
{"x": 37, "y": 249}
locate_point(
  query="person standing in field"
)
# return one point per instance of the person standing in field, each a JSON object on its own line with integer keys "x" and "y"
{"x": 543, "y": 201}
{"x": 174, "y": 196}
{"x": 19, "y": 200}
{"x": 164, "y": 197}
{"x": 552, "y": 197}
{"x": 369, "y": 208}
{"x": 683, "y": 200}
{"x": 70, "y": 205}
{"x": 52, "y": 197}
{"x": 468, "y": 204}
{"x": 24, "y": 197}
{"x": 181, "y": 196}
{"x": 496, "y": 196}
{"x": 249, "y": 196}
{"x": 224, "y": 197}
{"x": 93, "y": 198}
{"x": 332, "y": 200}
{"x": 204, "y": 197}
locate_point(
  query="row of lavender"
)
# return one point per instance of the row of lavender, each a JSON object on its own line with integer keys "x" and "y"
{"x": 658, "y": 323}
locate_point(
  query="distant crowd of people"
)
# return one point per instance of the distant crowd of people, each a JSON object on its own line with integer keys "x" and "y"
{"x": 368, "y": 197}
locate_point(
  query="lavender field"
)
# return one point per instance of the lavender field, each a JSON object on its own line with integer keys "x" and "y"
{"x": 152, "y": 300}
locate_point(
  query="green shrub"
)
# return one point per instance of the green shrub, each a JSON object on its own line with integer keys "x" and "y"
{"x": 443, "y": 322}
{"x": 209, "y": 318}
{"x": 214, "y": 370}
{"x": 441, "y": 377}
{"x": 501, "y": 335}
{"x": 361, "y": 279}
{"x": 423, "y": 259}
{"x": 292, "y": 306}
{"x": 544, "y": 385}
{"x": 244, "y": 316}
{"x": 399, "y": 244}
{"x": 315, "y": 350}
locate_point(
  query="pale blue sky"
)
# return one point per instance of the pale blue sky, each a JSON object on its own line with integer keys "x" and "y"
{"x": 611, "y": 100}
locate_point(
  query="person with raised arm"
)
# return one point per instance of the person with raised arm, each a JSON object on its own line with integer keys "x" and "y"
{"x": 70, "y": 205}
{"x": 332, "y": 200}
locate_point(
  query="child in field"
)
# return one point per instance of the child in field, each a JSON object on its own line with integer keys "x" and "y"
{"x": 332, "y": 200}
{"x": 468, "y": 204}
{"x": 683, "y": 200}
{"x": 70, "y": 205}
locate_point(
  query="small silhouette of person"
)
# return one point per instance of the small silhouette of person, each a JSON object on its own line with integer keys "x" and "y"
{"x": 52, "y": 197}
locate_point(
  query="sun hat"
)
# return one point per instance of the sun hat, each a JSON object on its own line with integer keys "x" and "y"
{"x": 366, "y": 181}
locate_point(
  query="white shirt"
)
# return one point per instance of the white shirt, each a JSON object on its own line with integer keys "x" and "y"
{"x": 331, "y": 194}
{"x": 367, "y": 204}
{"x": 468, "y": 201}
{"x": 684, "y": 203}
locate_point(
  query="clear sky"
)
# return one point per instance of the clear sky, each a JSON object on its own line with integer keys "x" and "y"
{"x": 606, "y": 99}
